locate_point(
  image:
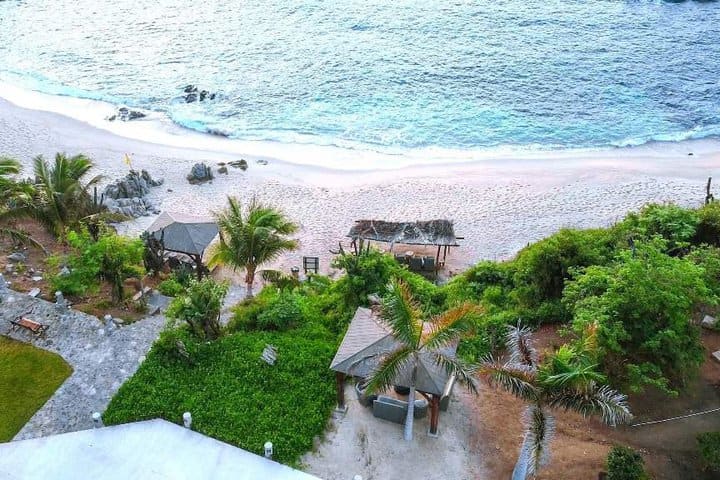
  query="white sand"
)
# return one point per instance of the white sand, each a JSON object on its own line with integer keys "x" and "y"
{"x": 498, "y": 204}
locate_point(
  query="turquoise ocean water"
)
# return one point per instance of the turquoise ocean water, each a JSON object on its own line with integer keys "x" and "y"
{"x": 385, "y": 76}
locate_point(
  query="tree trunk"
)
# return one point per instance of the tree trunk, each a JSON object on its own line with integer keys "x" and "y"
{"x": 521, "y": 467}
{"x": 249, "y": 280}
{"x": 408, "y": 432}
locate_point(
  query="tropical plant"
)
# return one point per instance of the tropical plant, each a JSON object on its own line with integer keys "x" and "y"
{"x": 566, "y": 381}
{"x": 200, "y": 308}
{"x": 62, "y": 197}
{"x": 251, "y": 236}
{"x": 709, "y": 444}
{"x": 13, "y": 197}
{"x": 624, "y": 463}
{"x": 403, "y": 315}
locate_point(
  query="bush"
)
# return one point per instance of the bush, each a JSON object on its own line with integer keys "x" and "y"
{"x": 624, "y": 463}
{"x": 709, "y": 444}
{"x": 708, "y": 258}
{"x": 112, "y": 257}
{"x": 171, "y": 287}
{"x": 708, "y": 227}
{"x": 282, "y": 314}
{"x": 489, "y": 337}
{"x": 233, "y": 395}
{"x": 543, "y": 267}
{"x": 200, "y": 308}
{"x": 676, "y": 225}
{"x": 640, "y": 310}
{"x": 245, "y": 313}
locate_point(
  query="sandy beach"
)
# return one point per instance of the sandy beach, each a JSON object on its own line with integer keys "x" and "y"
{"x": 498, "y": 203}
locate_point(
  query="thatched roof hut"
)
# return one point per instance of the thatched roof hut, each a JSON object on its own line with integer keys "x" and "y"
{"x": 430, "y": 232}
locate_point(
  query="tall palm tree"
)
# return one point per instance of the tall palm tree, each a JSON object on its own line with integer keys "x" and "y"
{"x": 404, "y": 316}
{"x": 62, "y": 196}
{"x": 13, "y": 197}
{"x": 567, "y": 381}
{"x": 251, "y": 236}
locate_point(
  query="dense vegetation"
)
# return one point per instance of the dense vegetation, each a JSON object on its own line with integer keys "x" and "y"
{"x": 28, "y": 376}
{"x": 624, "y": 463}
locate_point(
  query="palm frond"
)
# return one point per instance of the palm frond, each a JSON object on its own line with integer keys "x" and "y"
{"x": 464, "y": 372}
{"x": 402, "y": 313}
{"x": 540, "y": 429}
{"x": 593, "y": 399}
{"x": 21, "y": 237}
{"x": 520, "y": 347}
{"x": 451, "y": 326}
{"x": 389, "y": 368}
{"x": 515, "y": 378}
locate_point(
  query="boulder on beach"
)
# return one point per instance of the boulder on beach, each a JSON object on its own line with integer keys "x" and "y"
{"x": 200, "y": 173}
{"x": 127, "y": 195}
{"x": 125, "y": 114}
{"x": 241, "y": 164}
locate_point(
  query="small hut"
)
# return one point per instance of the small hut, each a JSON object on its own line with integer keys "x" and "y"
{"x": 187, "y": 234}
{"x": 439, "y": 233}
{"x": 365, "y": 343}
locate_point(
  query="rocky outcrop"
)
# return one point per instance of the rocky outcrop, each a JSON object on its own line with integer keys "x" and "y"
{"x": 193, "y": 94}
{"x": 200, "y": 173}
{"x": 241, "y": 164}
{"x": 127, "y": 195}
{"x": 125, "y": 114}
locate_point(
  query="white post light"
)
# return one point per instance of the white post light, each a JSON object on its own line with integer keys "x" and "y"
{"x": 187, "y": 420}
{"x": 97, "y": 420}
{"x": 268, "y": 449}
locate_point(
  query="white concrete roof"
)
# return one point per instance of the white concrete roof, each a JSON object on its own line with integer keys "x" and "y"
{"x": 153, "y": 449}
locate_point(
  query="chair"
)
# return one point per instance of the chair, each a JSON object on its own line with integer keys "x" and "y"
{"x": 428, "y": 264}
{"x": 416, "y": 264}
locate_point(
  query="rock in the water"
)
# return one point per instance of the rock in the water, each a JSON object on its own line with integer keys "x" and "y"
{"x": 223, "y": 170}
{"x": 193, "y": 94}
{"x": 200, "y": 173}
{"x": 17, "y": 257}
{"x": 217, "y": 132}
{"x": 241, "y": 164}
{"x": 709, "y": 322}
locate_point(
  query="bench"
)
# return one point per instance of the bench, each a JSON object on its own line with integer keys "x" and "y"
{"x": 35, "y": 327}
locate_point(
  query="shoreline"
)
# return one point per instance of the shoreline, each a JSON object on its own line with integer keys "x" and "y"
{"x": 498, "y": 204}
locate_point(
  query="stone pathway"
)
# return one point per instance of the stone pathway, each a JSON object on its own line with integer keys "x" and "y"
{"x": 102, "y": 359}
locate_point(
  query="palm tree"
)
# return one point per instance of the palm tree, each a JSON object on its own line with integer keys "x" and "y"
{"x": 404, "y": 316}
{"x": 62, "y": 197}
{"x": 567, "y": 381}
{"x": 250, "y": 237}
{"x": 13, "y": 196}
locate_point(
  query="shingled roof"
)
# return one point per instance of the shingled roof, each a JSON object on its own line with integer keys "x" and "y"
{"x": 430, "y": 232}
{"x": 365, "y": 343}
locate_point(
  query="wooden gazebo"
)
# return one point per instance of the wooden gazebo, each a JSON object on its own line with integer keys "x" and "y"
{"x": 439, "y": 233}
{"x": 365, "y": 343}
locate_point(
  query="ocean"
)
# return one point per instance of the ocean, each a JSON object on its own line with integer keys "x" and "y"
{"x": 394, "y": 77}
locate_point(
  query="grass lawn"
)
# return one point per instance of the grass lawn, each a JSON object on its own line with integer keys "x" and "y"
{"x": 232, "y": 394}
{"x": 28, "y": 377}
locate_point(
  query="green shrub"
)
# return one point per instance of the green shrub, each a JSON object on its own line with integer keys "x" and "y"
{"x": 709, "y": 444}
{"x": 708, "y": 258}
{"x": 624, "y": 463}
{"x": 245, "y": 313}
{"x": 639, "y": 309}
{"x": 200, "y": 308}
{"x": 675, "y": 224}
{"x": 233, "y": 395}
{"x": 489, "y": 335}
{"x": 708, "y": 228}
{"x": 282, "y": 314}
{"x": 170, "y": 287}
{"x": 543, "y": 268}
{"x": 112, "y": 257}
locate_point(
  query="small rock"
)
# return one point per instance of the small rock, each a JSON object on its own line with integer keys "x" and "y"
{"x": 118, "y": 321}
{"x": 36, "y": 279}
{"x": 223, "y": 170}
{"x": 17, "y": 257}
{"x": 709, "y": 322}
{"x": 241, "y": 164}
{"x": 34, "y": 292}
{"x": 262, "y": 162}
{"x": 716, "y": 355}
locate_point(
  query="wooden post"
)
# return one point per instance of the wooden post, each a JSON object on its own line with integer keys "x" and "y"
{"x": 340, "y": 385}
{"x": 434, "y": 414}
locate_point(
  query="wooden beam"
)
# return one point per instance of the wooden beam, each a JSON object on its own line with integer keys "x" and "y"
{"x": 340, "y": 386}
{"x": 434, "y": 414}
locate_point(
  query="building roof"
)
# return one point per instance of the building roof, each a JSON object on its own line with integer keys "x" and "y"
{"x": 153, "y": 449}
{"x": 430, "y": 232}
{"x": 180, "y": 232}
{"x": 365, "y": 343}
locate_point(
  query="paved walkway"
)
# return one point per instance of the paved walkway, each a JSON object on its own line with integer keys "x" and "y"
{"x": 101, "y": 358}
